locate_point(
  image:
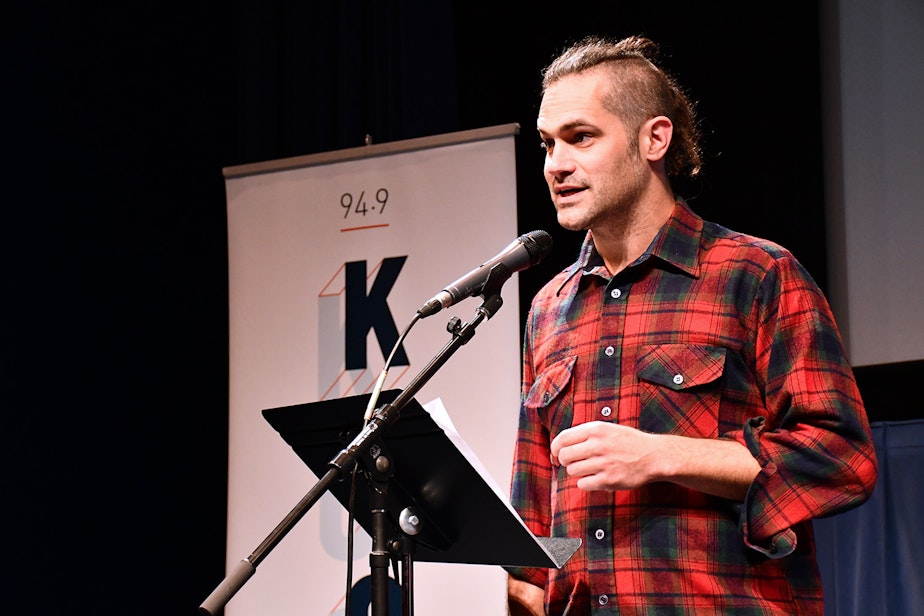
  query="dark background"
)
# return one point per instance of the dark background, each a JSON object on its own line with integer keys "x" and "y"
{"x": 118, "y": 121}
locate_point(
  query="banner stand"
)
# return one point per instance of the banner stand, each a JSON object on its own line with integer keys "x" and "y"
{"x": 329, "y": 250}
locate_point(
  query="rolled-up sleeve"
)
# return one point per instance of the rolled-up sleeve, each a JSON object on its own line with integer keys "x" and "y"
{"x": 814, "y": 445}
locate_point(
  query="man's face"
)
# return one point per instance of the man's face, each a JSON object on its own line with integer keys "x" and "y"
{"x": 592, "y": 173}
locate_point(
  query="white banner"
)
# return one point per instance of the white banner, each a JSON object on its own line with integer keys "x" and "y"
{"x": 409, "y": 217}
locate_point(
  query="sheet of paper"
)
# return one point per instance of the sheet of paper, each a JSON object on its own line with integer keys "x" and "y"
{"x": 440, "y": 415}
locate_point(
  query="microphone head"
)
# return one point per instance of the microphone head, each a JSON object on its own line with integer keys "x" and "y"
{"x": 538, "y": 245}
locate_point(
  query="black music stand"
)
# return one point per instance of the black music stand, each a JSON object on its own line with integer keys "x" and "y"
{"x": 439, "y": 507}
{"x": 445, "y": 510}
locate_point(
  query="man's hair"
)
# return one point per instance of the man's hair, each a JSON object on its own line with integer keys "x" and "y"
{"x": 639, "y": 90}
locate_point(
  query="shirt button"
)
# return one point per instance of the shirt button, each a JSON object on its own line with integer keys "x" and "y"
{"x": 615, "y": 293}
{"x": 603, "y": 599}
{"x": 609, "y": 351}
{"x": 600, "y": 533}
{"x": 605, "y": 411}
{"x": 678, "y": 379}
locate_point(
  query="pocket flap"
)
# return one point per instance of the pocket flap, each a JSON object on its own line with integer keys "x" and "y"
{"x": 550, "y": 383}
{"x": 681, "y": 366}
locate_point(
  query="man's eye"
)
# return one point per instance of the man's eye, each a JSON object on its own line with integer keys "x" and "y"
{"x": 545, "y": 145}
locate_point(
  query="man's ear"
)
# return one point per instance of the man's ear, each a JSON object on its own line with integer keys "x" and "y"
{"x": 655, "y": 137}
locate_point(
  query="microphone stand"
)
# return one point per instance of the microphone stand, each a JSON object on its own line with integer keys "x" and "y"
{"x": 342, "y": 464}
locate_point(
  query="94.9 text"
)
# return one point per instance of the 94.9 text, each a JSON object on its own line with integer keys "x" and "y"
{"x": 358, "y": 205}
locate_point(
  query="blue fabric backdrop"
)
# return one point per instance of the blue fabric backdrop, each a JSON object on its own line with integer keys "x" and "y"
{"x": 872, "y": 558}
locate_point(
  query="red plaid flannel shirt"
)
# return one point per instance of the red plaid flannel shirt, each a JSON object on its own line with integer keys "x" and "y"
{"x": 709, "y": 334}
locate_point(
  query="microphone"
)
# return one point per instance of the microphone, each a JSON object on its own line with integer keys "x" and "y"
{"x": 525, "y": 251}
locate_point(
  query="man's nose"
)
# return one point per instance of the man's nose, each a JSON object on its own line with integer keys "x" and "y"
{"x": 559, "y": 162}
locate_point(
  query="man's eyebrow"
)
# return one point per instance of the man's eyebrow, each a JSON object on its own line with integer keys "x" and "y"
{"x": 569, "y": 126}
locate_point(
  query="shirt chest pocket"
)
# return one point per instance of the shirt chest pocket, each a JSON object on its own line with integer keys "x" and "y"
{"x": 680, "y": 389}
{"x": 551, "y": 396}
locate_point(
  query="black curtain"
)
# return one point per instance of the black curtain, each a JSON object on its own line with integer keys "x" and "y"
{"x": 119, "y": 118}
{"x": 320, "y": 76}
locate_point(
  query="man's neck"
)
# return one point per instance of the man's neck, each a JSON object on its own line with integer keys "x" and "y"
{"x": 624, "y": 239}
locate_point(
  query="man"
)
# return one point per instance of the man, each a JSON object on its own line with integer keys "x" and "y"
{"x": 687, "y": 406}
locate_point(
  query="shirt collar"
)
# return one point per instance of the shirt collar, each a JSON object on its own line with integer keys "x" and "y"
{"x": 676, "y": 243}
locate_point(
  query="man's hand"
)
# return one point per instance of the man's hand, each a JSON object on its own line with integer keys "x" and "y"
{"x": 524, "y": 599}
{"x": 609, "y": 456}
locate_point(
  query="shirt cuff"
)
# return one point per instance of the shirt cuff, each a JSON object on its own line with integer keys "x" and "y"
{"x": 778, "y": 544}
